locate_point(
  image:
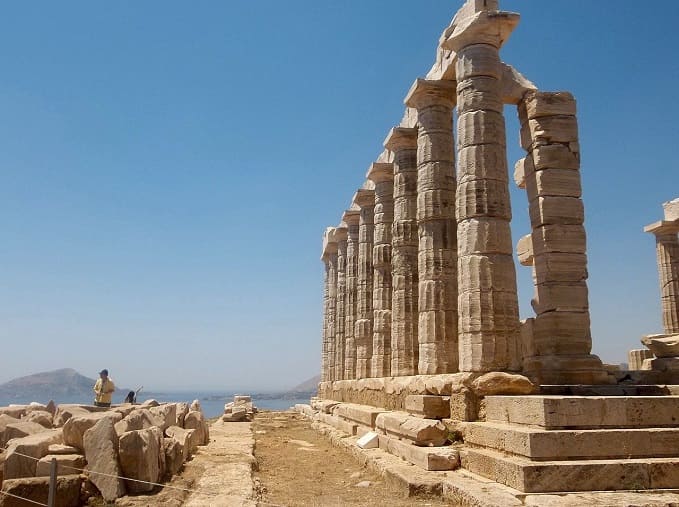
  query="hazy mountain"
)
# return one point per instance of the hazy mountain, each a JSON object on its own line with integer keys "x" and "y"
{"x": 308, "y": 386}
{"x": 56, "y": 385}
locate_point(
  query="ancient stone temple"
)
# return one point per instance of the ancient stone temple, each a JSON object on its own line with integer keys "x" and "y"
{"x": 421, "y": 329}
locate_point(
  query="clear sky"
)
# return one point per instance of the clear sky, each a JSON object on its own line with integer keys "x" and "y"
{"x": 168, "y": 169}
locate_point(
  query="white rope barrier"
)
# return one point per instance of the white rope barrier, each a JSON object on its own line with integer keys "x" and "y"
{"x": 82, "y": 470}
{"x": 22, "y": 498}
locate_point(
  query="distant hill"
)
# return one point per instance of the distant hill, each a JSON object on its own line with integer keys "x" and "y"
{"x": 57, "y": 385}
{"x": 308, "y": 386}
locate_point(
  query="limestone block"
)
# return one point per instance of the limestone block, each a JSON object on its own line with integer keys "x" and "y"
{"x": 57, "y": 449}
{"x": 559, "y": 239}
{"x": 76, "y": 426}
{"x": 554, "y": 183}
{"x": 562, "y": 297}
{"x": 524, "y": 250}
{"x": 556, "y": 211}
{"x": 435, "y": 144}
{"x": 483, "y": 236}
{"x": 427, "y": 458}
{"x": 422, "y": 432}
{"x": 480, "y": 127}
{"x": 165, "y": 415}
{"x": 142, "y": 458}
{"x": 526, "y": 338}
{"x": 486, "y": 311}
{"x": 16, "y": 411}
{"x": 184, "y": 438}
{"x": 348, "y": 427}
{"x": 428, "y": 406}
{"x": 16, "y": 465}
{"x": 635, "y": 358}
{"x": 36, "y": 490}
{"x": 361, "y": 414}
{"x": 482, "y": 161}
{"x": 520, "y": 171}
{"x": 481, "y": 93}
{"x": 20, "y": 429}
{"x": 539, "y": 104}
{"x": 67, "y": 464}
{"x": 139, "y": 419}
{"x": 196, "y": 421}
{"x": 661, "y": 364}
{"x": 174, "y": 457}
{"x": 501, "y": 383}
{"x": 436, "y": 204}
{"x": 478, "y": 60}
{"x": 483, "y": 198}
{"x": 41, "y": 417}
{"x": 101, "y": 452}
{"x": 182, "y": 410}
{"x": 486, "y": 273}
{"x": 561, "y": 267}
{"x": 368, "y": 441}
{"x": 662, "y": 345}
{"x": 554, "y": 129}
{"x": 65, "y": 412}
{"x": 514, "y": 85}
{"x": 555, "y": 156}
{"x": 671, "y": 209}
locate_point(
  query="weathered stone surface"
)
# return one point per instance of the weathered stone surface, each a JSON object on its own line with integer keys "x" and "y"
{"x": 139, "y": 419}
{"x": 662, "y": 345}
{"x": 67, "y": 464}
{"x": 174, "y": 456}
{"x": 422, "y": 432}
{"x": 100, "y": 443}
{"x": 57, "y": 449}
{"x": 76, "y": 426}
{"x": 36, "y": 446}
{"x": 427, "y": 458}
{"x": 497, "y": 382}
{"x": 196, "y": 421}
{"x": 361, "y": 414}
{"x": 368, "y": 441}
{"x": 65, "y": 412}
{"x": 428, "y": 406}
{"x": 164, "y": 415}
{"x": 142, "y": 457}
{"x": 183, "y": 438}
{"x": 540, "y": 104}
{"x": 41, "y": 417}
{"x": 20, "y": 429}
{"x": 36, "y": 489}
{"x": 16, "y": 412}
{"x": 182, "y": 410}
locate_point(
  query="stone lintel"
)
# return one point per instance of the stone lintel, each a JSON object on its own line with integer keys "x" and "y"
{"x": 400, "y": 138}
{"x": 380, "y": 172}
{"x": 329, "y": 243}
{"x": 425, "y": 92}
{"x": 351, "y": 217}
{"x": 663, "y": 227}
{"x": 484, "y": 27}
{"x": 364, "y": 197}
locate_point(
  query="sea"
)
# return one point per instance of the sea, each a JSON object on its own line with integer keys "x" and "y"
{"x": 211, "y": 402}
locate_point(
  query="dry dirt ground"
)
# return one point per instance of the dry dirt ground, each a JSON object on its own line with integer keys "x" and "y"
{"x": 299, "y": 467}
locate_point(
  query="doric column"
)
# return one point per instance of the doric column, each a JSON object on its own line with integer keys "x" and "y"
{"x": 329, "y": 257}
{"x": 363, "y": 330}
{"x": 562, "y": 338}
{"x": 340, "y": 317}
{"x": 382, "y": 175}
{"x": 487, "y": 301}
{"x": 437, "y": 251}
{"x": 350, "y": 218}
{"x": 667, "y": 250}
{"x": 404, "y": 314}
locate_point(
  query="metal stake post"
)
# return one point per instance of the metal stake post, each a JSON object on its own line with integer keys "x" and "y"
{"x": 52, "y": 495}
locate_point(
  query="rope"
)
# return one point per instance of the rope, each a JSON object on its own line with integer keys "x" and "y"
{"x": 22, "y": 498}
{"x": 124, "y": 478}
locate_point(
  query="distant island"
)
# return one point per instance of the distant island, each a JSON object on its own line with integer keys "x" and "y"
{"x": 306, "y": 389}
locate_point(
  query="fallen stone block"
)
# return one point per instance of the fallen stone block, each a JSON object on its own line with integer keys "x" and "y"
{"x": 361, "y": 414}
{"x": 20, "y": 429}
{"x": 36, "y": 489}
{"x": 164, "y": 415}
{"x": 76, "y": 426}
{"x": 183, "y": 438}
{"x": 62, "y": 449}
{"x": 41, "y": 417}
{"x": 195, "y": 420}
{"x": 174, "y": 456}
{"x": 138, "y": 419}
{"x": 101, "y": 451}
{"x": 662, "y": 345}
{"x": 67, "y": 464}
{"x": 142, "y": 458}
{"x": 370, "y": 440}
{"x": 427, "y": 458}
{"x": 35, "y": 446}
{"x": 422, "y": 432}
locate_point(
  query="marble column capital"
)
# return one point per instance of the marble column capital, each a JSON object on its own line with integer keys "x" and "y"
{"x": 351, "y": 217}
{"x": 400, "y": 138}
{"x": 380, "y": 172}
{"x": 329, "y": 244}
{"x": 663, "y": 227}
{"x": 426, "y": 93}
{"x": 364, "y": 198}
{"x": 484, "y": 27}
{"x": 341, "y": 234}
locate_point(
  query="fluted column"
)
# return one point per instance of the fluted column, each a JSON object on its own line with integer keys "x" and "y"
{"x": 487, "y": 302}
{"x": 350, "y": 218}
{"x": 667, "y": 251}
{"x": 340, "y": 317}
{"x": 382, "y": 175}
{"x": 329, "y": 257}
{"x": 363, "y": 330}
{"x": 437, "y": 251}
{"x": 404, "y": 310}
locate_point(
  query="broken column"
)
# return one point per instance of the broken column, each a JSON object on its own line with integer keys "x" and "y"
{"x": 667, "y": 251}
{"x": 561, "y": 331}
{"x": 329, "y": 257}
{"x": 402, "y": 142}
{"x": 363, "y": 329}
{"x": 382, "y": 175}
{"x": 350, "y": 218}
{"x": 340, "y": 314}
{"x": 487, "y": 297}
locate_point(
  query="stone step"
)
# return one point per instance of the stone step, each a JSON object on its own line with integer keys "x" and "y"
{"x": 609, "y": 390}
{"x": 585, "y": 412}
{"x": 427, "y": 458}
{"x": 361, "y": 414}
{"x": 581, "y": 475}
{"x": 422, "y": 432}
{"x": 540, "y": 444}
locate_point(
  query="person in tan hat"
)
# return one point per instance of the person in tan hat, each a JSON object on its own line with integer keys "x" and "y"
{"x": 103, "y": 390}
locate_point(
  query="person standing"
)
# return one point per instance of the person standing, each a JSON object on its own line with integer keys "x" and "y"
{"x": 103, "y": 390}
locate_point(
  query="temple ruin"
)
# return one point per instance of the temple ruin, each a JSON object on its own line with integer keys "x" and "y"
{"x": 421, "y": 331}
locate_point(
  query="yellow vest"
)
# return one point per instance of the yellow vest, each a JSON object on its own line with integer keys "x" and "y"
{"x": 104, "y": 390}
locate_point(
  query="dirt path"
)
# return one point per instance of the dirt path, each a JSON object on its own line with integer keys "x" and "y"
{"x": 299, "y": 467}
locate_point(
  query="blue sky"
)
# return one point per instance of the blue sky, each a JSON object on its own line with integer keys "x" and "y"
{"x": 168, "y": 168}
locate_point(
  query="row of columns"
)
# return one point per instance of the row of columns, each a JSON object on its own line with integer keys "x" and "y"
{"x": 426, "y": 274}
